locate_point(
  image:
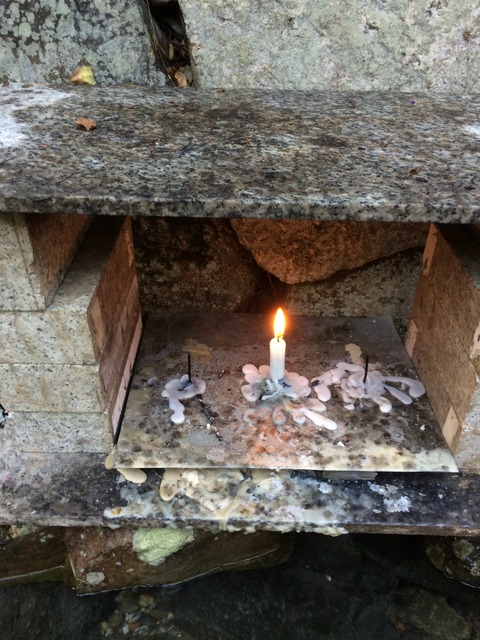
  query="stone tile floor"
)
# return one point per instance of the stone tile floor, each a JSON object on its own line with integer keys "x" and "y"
{"x": 356, "y": 587}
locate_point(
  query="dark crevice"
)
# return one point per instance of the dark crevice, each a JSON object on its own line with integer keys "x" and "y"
{"x": 270, "y": 293}
{"x": 170, "y": 44}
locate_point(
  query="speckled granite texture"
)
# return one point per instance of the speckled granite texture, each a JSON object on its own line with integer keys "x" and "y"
{"x": 346, "y": 156}
{"x": 75, "y": 489}
{"x": 46, "y": 40}
{"x": 34, "y": 256}
{"x": 64, "y": 370}
{"x": 406, "y": 439}
{"x": 305, "y": 44}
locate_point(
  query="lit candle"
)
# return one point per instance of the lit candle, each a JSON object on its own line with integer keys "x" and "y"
{"x": 277, "y": 348}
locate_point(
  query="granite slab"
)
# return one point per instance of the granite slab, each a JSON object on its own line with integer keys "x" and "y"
{"x": 241, "y": 153}
{"x": 77, "y": 490}
{"x": 35, "y": 257}
{"x": 216, "y": 433}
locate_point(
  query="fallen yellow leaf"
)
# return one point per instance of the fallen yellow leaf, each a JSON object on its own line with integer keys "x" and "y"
{"x": 83, "y": 75}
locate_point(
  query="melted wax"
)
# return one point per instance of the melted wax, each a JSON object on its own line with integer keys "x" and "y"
{"x": 181, "y": 389}
{"x": 276, "y": 400}
{"x": 354, "y": 386}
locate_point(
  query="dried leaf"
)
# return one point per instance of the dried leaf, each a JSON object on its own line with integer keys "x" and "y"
{"x": 86, "y": 123}
{"x": 83, "y": 75}
{"x": 180, "y": 79}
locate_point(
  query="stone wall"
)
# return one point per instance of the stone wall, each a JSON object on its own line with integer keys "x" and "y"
{"x": 46, "y": 40}
{"x": 419, "y": 45}
{"x": 392, "y": 45}
{"x": 331, "y": 269}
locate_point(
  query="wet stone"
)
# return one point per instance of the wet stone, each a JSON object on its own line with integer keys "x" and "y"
{"x": 190, "y": 264}
{"x": 416, "y": 609}
{"x": 458, "y": 558}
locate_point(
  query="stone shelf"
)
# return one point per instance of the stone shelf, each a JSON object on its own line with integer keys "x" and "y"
{"x": 240, "y": 153}
{"x": 76, "y": 490}
{"x": 215, "y": 432}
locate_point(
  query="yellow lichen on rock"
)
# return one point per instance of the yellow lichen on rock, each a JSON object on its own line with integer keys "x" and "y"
{"x": 153, "y": 546}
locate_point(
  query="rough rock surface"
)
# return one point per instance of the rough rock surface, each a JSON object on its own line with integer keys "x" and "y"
{"x": 103, "y": 559}
{"x": 46, "y": 40}
{"x": 385, "y": 287}
{"x": 192, "y": 264}
{"x": 417, "y": 610}
{"x": 457, "y": 558}
{"x": 305, "y": 251}
{"x": 305, "y": 44}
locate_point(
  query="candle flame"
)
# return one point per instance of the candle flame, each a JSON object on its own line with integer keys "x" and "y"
{"x": 279, "y": 324}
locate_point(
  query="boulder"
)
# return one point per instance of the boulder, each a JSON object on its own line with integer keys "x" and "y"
{"x": 457, "y": 558}
{"x": 306, "y": 44}
{"x": 418, "y": 611}
{"x": 192, "y": 264}
{"x": 103, "y": 559}
{"x": 304, "y": 251}
{"x": 384, "y": 287}
{"x": 46, "y": 41}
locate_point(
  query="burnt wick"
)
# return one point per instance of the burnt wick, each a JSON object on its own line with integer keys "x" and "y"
{"x": 366, "y": 370}
{"x": 189, "y": 367}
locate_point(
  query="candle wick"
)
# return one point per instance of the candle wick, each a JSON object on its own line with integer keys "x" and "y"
{"x": 366, "y": 370}
{"x": 189, "y": 367}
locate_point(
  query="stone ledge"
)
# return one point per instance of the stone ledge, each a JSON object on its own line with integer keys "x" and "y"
{"x": 241, "y": 153}
{"x": 76, "y": 490}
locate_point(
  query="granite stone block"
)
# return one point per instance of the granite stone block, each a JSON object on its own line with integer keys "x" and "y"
{"x": 64, "y": 489}
{"x": 220, "y": 431}
{"x": 305, "y": 44}
{"x": 443, "y": 336}
{"x": 52, "y": 387}
{"x": 76, "y": 356}
{"x": 74, "y": 431}
{"x": 80, "y": 325}
{"x": 46, "y": 432}
{"x": 369, "y": 156}
{"x": 35, "y": 255}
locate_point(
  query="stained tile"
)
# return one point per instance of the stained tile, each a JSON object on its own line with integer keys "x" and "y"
{"x": 215, "y": 433}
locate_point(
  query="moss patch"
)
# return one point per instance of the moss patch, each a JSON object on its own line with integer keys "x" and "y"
{"x": 153, "y": 546}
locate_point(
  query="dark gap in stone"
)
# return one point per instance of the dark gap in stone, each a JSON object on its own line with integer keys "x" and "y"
{"x": 270, "y": 293}
{"x": 165, "y": 24}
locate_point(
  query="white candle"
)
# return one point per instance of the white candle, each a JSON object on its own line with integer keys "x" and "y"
{"x": 277, "y": 348}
